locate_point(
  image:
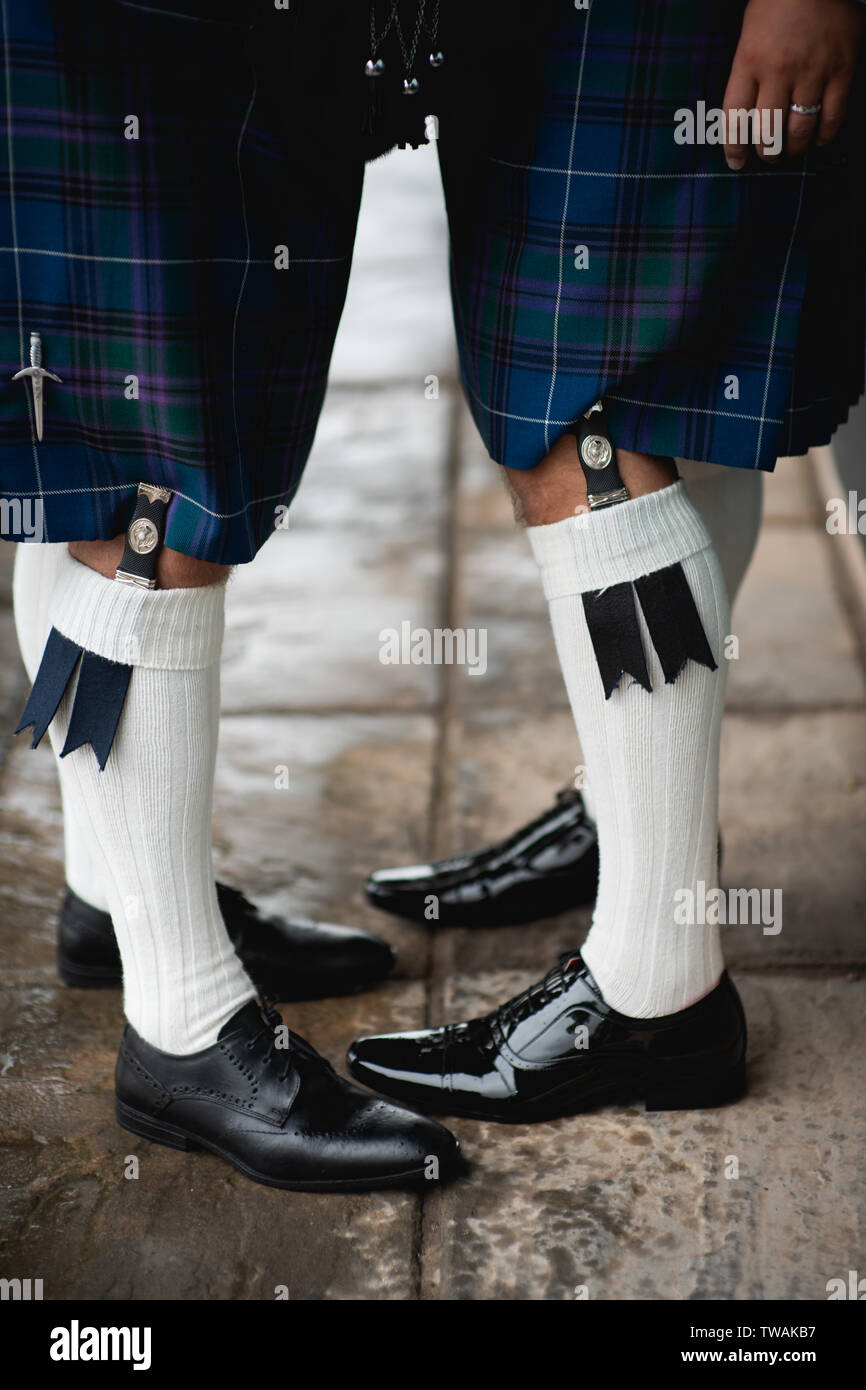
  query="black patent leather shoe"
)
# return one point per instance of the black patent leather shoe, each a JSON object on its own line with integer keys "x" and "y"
{"x": 557, "y": 1049}
{"x": 546, "y": 867}
{"x": 289, "y": 959}
{"x": 279, "y": 1113}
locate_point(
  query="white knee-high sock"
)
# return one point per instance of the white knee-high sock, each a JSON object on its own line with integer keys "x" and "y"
{"x": 148, "y": 814}
{"x": 652, "y": 758}
{"x": 36, "y": 570}
{"x": 730, "y": 502}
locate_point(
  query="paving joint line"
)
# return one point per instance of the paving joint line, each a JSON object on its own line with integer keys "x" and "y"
{"x": 440, "y": 949}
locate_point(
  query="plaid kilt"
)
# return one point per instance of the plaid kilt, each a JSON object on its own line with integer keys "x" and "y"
{"x": 154, "y": 258}
{"x": 719, "y": 315}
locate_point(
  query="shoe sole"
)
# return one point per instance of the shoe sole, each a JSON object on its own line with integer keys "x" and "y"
{"x": 174, "y": 1137}
{"x": 664, "y": 1093}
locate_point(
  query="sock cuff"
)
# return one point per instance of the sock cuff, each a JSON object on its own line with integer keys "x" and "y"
{"x": 165, "y": 629}
{"x": 596, "y": 549}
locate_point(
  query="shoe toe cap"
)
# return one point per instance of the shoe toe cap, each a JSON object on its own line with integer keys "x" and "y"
{"x": 319, "y": 959}
{"x": 407, "y": 1141}
{"x": 406, "y": 877}
{"x": 402, "y": 898}
{"x": 390, "y": 1059}
{"x": 354, "y": 950}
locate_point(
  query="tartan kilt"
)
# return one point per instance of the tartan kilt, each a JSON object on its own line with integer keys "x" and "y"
{"x": 188, "y": 358}
{"x": 719, "y": 315}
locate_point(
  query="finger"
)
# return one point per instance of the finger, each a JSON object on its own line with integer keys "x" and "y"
{"x": 835, "y": 104}
{"x": 740, "y": 95}
{"x": 773, "y": 101}
{"x": 801, "y": 128}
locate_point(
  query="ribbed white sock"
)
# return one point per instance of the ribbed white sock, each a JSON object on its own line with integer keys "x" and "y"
{"x": 147, "y": 816}
{"x": 730, "y": 502}
{"x": 651, "y": 758}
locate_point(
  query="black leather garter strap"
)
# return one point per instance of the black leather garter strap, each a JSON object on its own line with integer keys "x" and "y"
{"x": 144, "y": 537}
{"x": 596, "y": 454}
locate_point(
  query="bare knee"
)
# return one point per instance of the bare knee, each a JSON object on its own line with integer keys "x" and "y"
{"x": 174, "y": 570}
{"x": 556, "y": 488}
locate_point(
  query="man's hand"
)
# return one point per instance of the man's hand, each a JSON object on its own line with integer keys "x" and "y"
{"x": 794, "y": 51}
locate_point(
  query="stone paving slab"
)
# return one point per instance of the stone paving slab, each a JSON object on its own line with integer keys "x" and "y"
{"x": 379, "y": 341}
{"x": 31, "y": 864}
{"x": 307, "y": 619}
{"x": 189, "y": 1226}
{"x": 789, "y": 493}
{"x": 627, "y": 1205}
{"x": 402, "y": 245}
{"x": 358, "y": 798}
{"x": 307, "y": 616}
{"x": 378, "y": 462}
{"x": 797, "y": 649}
{"x": 521, "y": 666}
{"x": 793, "y": 805}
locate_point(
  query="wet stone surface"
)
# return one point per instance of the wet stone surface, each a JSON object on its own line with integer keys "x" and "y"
{"x": 401, "y": 517}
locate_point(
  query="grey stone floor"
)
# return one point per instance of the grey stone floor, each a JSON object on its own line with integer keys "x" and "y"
{"x": 402, "y": 517}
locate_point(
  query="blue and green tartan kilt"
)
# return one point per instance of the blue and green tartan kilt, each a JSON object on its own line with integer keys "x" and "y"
{"x": 183, "y": 245}
{"x": 719, "y": 315}
{"x": 182, "y": 242}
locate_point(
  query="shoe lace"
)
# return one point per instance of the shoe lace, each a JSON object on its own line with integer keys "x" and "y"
{"x": 542, "y": 992}
{"x": 294, "y": 1047}
{"x": 271, "y": 1021}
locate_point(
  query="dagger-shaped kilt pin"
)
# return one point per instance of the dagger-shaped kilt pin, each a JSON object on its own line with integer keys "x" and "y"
{"x": 37, "y": 374}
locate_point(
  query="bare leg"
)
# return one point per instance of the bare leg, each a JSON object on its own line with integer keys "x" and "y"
{"x": 174, "y": 570}
{"x": 557, "y": 488}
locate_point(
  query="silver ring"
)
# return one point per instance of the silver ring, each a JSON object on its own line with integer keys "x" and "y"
{"x": 805, "y": 110}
